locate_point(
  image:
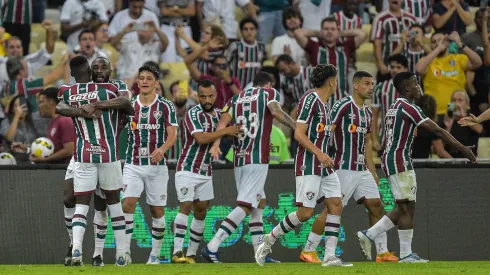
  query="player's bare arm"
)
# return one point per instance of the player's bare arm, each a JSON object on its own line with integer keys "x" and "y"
{"x": 121, "y": 103}
{"x": 448, "y": 138}
{"x": 223, "y": 122}
{"x": 375, "y": 131}
{"x": 159, "y": 153}
{"x": 280, "y": 115}
{"x": 300, "y": 136}
{"x": 206, "y": 138}
{"x": 369, "y": 158}
{"x": 68, "y": 111}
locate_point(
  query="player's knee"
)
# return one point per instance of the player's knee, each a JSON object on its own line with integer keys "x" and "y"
{"x": 305, "y": 213}
{"x": 334, "y": 206}
{"x": 128, "y": 206}
{"x": 69, "y": 200}
{"x": 157, "y": 211}
{"x": 185, "y": 208}
{"x": 374, "y": 205}
{"x": 200, "y": 214}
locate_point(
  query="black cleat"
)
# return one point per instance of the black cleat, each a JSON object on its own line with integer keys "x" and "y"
{"x": 68, "y": 256}
{"x": 97, "y": 261}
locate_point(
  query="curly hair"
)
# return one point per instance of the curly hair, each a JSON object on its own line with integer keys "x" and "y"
{"x": 321, "y": 73}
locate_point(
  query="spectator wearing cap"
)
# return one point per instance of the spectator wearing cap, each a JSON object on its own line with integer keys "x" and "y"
{"x": 450, "y": 16}
{"x": 222, "y": 13}
{"x": 28, "y": 88}
{"x": 287, "y": 44}
{"x": 77, "y": 15}
{"x": 17, "y": 21}
{"x": 35, "y": 61}
{"x": 60, "y": 131}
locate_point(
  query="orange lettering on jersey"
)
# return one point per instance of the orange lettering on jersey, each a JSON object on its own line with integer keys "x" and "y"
{"x": 133, "y": 125}
{"x": 242, "y": 64}
{"x": 352, "y": 128}
{"x": 320, "y": 127}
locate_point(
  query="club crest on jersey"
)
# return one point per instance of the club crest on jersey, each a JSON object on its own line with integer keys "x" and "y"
{"x": 310, "y": 195}
{"x": 157, "y": 114}
{"x": 143, "y": 152}
{"x": 183, "y": 190}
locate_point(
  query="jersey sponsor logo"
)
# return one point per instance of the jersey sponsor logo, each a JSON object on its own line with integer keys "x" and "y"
{"x": 139, "y": 126}
{"x": 247, "y": 99}
{"x": 438, "y": 73}
{"x": 242, "y": 153}
{"x": 96, "y": 149}
{"x": 354, "y": 128}
{"x": 82, "y": 97}
{"x": 157, "y": 114}
{"x": 320, "y": 127}
{"x": 244, "y": 65}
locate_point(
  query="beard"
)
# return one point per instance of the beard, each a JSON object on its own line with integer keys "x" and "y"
{"x": 207, "y": 107}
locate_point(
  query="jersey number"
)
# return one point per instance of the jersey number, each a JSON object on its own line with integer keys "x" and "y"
{"x": 253, "y": 118}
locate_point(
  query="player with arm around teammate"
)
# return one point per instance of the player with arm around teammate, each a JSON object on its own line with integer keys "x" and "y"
{"x": 193, "y": 177}
{"x": 152, "y": 132}
{"x": 400, "y": 124}
{"x": 253, "y": 109}
{"x": 316, "y": 180}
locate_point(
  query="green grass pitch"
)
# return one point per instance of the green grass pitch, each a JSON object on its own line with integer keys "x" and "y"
{"x": 248, "y": 268}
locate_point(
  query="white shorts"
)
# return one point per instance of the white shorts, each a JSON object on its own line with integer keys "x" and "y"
{"x": 151, "y": 178}
{"x": 404, "y": 186}
{"x": 250, "y": 181}
{"x": 312, "y": 189}
{"x": 69, "y": 176}
{"x": 87, "y": 175}
{"x": 193, "y": 187}
{"x": 358, "y": 184}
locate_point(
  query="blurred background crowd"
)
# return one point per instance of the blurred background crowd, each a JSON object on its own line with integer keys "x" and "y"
{"x": 445, "y": 42}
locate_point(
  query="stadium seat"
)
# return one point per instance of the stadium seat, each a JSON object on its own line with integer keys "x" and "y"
{"x": 33, "y": 47}
{"x": 53, "y": 15}
{"x": 178, "y": 71}
{"x": 113, "y": 53}
{"x": 483, "y": 148}
{"x": 60, "y": 49}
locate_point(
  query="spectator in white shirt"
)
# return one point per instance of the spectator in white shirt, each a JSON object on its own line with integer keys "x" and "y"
{"x": 86, "y": 47}
{"x": 136, "y": 14}
{"x": 287, "y": 44}
{"x": 101, "y": 32}
{"x": 222, "y": 13}
{"x": 313, "y": 12}
{"x": 80, "y": 14}
{"x": 34, "y": 61}
{"x": 135, "y": 53}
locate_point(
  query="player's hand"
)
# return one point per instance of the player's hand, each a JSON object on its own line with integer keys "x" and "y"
{"x": 18, "y": 147}
{"x": 467, "y": 153}
{"x": 468, "y": 121}
{"x": 235, "y": 130}
{"x": 157, "y": 155}
{"x": 325, "y": 160}
{"x": 89, "y": 108}
{"x": 376, "y": 145}
{"x": 95, "y": 115}
{"x": 36, "y": 159}
{"x": 215, "y": 152}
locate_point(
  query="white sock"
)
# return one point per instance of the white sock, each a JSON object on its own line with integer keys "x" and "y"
{"x": 227, "y": 227}
{"x": 256, "y": 226}
{"x": 180, "y": 228}
{"x": 289, "y": 222}
{"x": 405, "y": 242}
{"x": 312, "y": 242}
{"x": 381, "y": 242}
{"x": 79, "y": 224}
{"x": 383, "y": 225}
{"x": 332, "y": 228}
{"x": 195, "y": 236}
{"x": 157, "y": 231}
{"x": 129, "y": 218}
{"x": 100, "y": 229}
{"x": 69, "y": 212}
{"x": 118, "y": 225}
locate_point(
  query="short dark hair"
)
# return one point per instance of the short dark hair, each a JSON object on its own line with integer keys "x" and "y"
{"x": 321, "y": 73}
{"x": 51, "y": 93}
{"x": 175, "y": 83}
{"x": 14, "y": 65}
{"x": 78, "y": 61}
{"x": 329, "y": 19}
{"x": 400, "y": 79}
{"x": 261, "y": 79}
{"x": 415, "y": 25}
{"x": 84, "y": 31}
{"x": 148, "y": 68}
{"x": 428, "y": 105}
{"x": 286, "y": 58}
{"x": 219, "y": 56}
{"x": 360, "y": 75}
{"x": 289, "y": 13}
{"x": 206, "y": 84}
{"x": 248, "y": 19}
{"x": 399, "y": 58}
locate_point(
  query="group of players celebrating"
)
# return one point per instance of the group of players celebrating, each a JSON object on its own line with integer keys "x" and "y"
{"x": 101, "y": 109}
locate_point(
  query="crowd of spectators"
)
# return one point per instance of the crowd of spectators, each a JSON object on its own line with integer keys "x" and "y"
{"x": 285, "y": 38}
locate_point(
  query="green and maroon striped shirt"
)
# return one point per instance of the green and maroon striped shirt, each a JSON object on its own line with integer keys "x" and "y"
{"x": 245, "y": 60}
{"x": 17, "y": 11}
{"x": 297, "y": 86}
{"x": 384, "y": 95}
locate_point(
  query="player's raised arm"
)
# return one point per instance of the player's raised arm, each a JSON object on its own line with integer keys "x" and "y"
{"x": 448, "y": 138}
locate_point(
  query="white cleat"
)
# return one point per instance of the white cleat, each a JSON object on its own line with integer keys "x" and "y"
{"x": 365, "y": 243}
{"x": 76, "y": 259}
{"x": 264, "y": 248}
{"x": 413, "y": 258}
{"x": 153, "y": 259}
{"x": 334, "y": 261}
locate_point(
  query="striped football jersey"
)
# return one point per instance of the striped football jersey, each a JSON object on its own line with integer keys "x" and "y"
{"x": 384, "y": 95}
{"x": 420, "y": 9}
{"x": 245, "y": 60}
{"x": 297, "y": 86}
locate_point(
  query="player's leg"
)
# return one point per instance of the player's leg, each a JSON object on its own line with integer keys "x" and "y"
{"x": 308, "y": 254}
{"x": 156, "y": 196}
{"x": 330, "y": 187}
{"x": 256, "y": 227}
{"x": 84, "y": 183}
{"x": 69, "y": 210}
{"x": 100, "y": 227}
{"x": 110, "y": 180}
{"x": 307, "y": 193}
{"x": 185, "y": 186}
{"x": 133, "y": 186}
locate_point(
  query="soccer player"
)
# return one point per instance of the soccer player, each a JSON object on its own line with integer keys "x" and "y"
{"x": 193, "y": 179}
{"x": 95, "y": 155}
{"x": 351, "y": 125}
{"x": 401, "y": 121}
{"x": 316, "y": 179}
{"x": 245, "y": 56}
{"x": 384, "y": 95}
{"x": 152, "y": 132}
{"x": 253, "y": 109}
